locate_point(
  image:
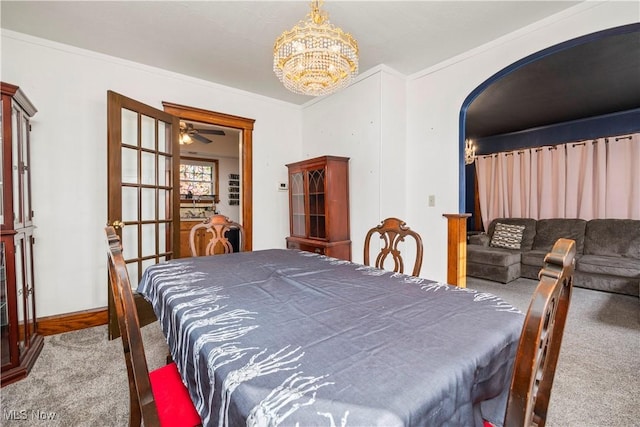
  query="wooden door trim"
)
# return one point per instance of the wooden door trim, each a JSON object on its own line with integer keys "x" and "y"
{"x": 246, "y": 126}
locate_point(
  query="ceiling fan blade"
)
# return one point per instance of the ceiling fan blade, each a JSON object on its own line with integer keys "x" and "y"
{"x": 211, "y": 131}
{"x": 201, "y": 138}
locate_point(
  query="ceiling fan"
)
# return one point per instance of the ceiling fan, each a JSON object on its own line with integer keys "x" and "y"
{"x": 188, "y": 133}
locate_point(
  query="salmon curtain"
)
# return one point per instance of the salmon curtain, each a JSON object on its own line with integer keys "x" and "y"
{"x": 585, "y": 179}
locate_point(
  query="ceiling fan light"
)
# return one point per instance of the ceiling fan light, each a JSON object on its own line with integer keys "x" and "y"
{"x": 315, "y": 57}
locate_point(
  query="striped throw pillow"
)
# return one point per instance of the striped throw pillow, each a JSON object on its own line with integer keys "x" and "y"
{"x": 507, "y": 236}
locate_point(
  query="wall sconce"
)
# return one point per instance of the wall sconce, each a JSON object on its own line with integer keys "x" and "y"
{"x": 469, "y": 152}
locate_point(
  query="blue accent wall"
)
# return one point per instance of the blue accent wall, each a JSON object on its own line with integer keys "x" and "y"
{"x": 625, "y": 122}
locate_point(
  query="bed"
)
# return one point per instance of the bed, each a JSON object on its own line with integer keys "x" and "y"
{"x": 285, "y": 337}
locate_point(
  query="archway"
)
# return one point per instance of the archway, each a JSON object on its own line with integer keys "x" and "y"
{"x": 612, "y": 43}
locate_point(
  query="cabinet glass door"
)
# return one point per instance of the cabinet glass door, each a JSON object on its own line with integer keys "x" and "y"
{"x": 16, "y": 167}
{"x": 20, "y": 290}
{"x": 2, "y": 176}
{"x": 4, "y": 315}
{"x": 316, "y": 204}
{"x": 29, "y": 288}
{"x": 298, "y": 221}
{"x": 26, "y": 171}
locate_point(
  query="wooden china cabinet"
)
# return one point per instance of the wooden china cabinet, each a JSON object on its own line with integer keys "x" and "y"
{"x": 21, "y": 343}
{"x": 319, "y": 206}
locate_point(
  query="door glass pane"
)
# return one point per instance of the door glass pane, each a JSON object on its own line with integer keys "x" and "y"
{"x": 132, "y": 268}
{"x": 163, "y": 137}
{"x": 148, "y": 204}
{"x": 129, "y": 127}
{"x": 162, "y": 238}
{"x": 148, "y": 239}
{"x": 162, "y": 200}
{"x": 148, "y": 168}
{"x": 164, "y": 170}
{"x": 129, "y": 204}
{"x": 130, "y": 242}
{"x": 147, "y": 263}
{"x": 148, "y": 133}
{"x": 129, "y": 166}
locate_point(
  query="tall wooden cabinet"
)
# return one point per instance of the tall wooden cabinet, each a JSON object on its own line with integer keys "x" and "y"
{"x": 319, "y": 206}
{"x": 21, "y": 343}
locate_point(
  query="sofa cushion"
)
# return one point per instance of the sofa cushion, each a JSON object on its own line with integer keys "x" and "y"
{"x": 548, "y": 231}
{"x": 614, "y": 266}
{"x": 508, "y": 236}
{"x": 529, "y": 230}
{"x": 493, "y": 256}
{"x": 494, "y": 273}
{"x": 613, "y": 237}
{"x": 534, "y": 257}
{"x": 479, "y": 239}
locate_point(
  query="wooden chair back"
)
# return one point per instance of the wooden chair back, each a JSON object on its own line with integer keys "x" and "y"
{"x": 141, "y": 400}
{"x": 393, "y": 231}
{"x": 539, "y": 346}
{"x": 218, "y": 243}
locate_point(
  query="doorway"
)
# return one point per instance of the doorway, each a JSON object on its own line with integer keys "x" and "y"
{"x": 245, "y": 126}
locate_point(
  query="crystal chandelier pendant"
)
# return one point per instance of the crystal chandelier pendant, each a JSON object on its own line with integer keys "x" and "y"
{"x": 315, "y": 57}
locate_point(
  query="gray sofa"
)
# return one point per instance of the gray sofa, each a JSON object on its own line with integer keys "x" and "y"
{"x": 607, "y": 251}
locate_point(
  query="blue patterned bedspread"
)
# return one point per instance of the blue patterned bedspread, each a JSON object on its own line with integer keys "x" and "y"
{"x": 284, "y": 337}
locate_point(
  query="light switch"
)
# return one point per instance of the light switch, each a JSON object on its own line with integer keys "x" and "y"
{"x": 432, "y": 200}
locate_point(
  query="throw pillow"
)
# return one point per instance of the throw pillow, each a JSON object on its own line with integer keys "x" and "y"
{"x": 507, "y": 236}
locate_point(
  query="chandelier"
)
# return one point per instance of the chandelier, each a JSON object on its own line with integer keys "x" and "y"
{"x": 315, "y": 57}
{"x": 469, "y": 152}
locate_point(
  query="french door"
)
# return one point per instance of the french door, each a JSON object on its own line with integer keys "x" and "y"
{"x": 143, "y": 189}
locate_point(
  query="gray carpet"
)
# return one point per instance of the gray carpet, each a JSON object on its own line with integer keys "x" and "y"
{"x": 80, "y": 377}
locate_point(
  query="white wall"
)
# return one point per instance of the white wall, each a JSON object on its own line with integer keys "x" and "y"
{"x": 69, "y": 156}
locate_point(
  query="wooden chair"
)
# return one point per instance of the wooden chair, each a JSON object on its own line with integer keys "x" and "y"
{"x": 393, "y": 231}
{"x": 158, "y": 398}
{"x": 539, "y": 345}
{"x": 217, "y": 226}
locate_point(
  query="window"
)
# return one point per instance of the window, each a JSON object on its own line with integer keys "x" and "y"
{"x": 198, "y": 176}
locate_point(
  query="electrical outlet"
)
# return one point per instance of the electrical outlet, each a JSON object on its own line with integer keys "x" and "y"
{"x": 432, "y": 200}
{"x": 283, "y": 186}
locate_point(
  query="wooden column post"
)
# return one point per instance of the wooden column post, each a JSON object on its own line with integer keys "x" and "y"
{"x": 457, "y": 249}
